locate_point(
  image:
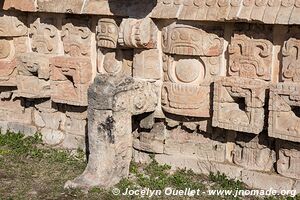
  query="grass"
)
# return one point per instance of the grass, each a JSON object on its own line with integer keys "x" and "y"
{"x": 29, "y": 170}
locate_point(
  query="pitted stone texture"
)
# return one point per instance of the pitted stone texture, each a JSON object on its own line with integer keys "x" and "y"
{"x": 12, "y": 26}
{"x": 238, "y": 104}
{"x": 70, "y": 79}
{"x": 284, "y": 103}
{"x": 25, "y": 129}
{"x": 288, "y": 162}
{"x": 52, "y": 137}
{"x": 33, "y": 79}
{"x": 254, "y": 152}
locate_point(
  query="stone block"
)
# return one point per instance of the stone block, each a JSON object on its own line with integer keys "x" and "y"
{"x": 52, "y": 137}
{"x": 33, "y": 79}
{"x": 284, "y": 104}
{"x": 66, "y": 6}
{"x": 107, "y": 33}
{"x": 266, "y": 181}
{"x": 24, "y": 5}
{"x": 73, "y": 142}
{"x": 25, "y": 129}
{"x": 288, "y": 155}
{"x": 70, "y": 79}
{"x": 12, "y": 26}
{"x": 238, "y": 104}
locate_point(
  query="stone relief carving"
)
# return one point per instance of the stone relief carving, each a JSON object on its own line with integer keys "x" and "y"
{"x": 76, "y": 37}
{"x": 183, "y": 39}
{"x": 33, "y": 79}
{"x": 138, "y": 33}
{"x": 70, "y": 79}
{"x": 288, "y": 159}
{"x": 12, "y": 26}
{"x": 250, "y": 58}
{"x": 254, "y": 153}
{"x": 107, "y": 33}
{"x": 291, "y": 61}
{"x": 238, "y": 104}
{"x": 284, "y": 103}
{"x": 44, "y": 35}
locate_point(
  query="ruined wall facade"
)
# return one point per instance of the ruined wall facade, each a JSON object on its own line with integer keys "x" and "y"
{"x": 210, "y": 85}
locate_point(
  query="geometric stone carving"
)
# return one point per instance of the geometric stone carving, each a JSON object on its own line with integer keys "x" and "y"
{"x": 291, "y": 60}
{"x": 8, "y": 65}
{"x": 76, "y": 37}
{"x": 284, "y": 112}
{"x": 238, "y": 104}
{"x": 288, "y": 159}
{"x": 33, "y": 79}
{"x": 44, "y": 35}
{"x": 254, "y": 153}
{"x": 147, "y": 64}
{"x": 11, "y": 26}
{"x": 250, "y": 58}
{"x": 107, "y": 33}
{"x": 138, "y": 33}
{"x": 182, "y": 92}
{"x": 70, "y": 79}
{"x": 188, "y": 40}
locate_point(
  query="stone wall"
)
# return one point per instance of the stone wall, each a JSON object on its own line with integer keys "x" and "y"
{"x": 206, "y": 85}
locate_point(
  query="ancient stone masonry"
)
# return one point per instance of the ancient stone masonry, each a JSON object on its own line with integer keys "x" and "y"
{"x": 207, "y": 85}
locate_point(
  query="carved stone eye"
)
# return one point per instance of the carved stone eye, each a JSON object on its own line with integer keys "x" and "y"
{"x": 103, "y": 28}
{"x": 175, "y": 35}
{"x": 184, "y": 35}
{"x": 111, "y": 29}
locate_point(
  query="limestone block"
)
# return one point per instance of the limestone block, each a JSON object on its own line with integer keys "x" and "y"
{"x": 76, "y": 112}
{"x": 107, "y": 33}
{"x": 151, "y": 142}
{"x": 9, "y": 51}
{"x": 12, "y": 26}
{"x": 44, "y": 34}
{"x": 291, "y": 60}
{"x": 271, "y": 11}
{"x": 285, "y": 11}
{"x": 33, "y": 79}
{"x": 138, "y": 33}
{"x": 52, "y": 137}
{"x": 23, "y": 128}
{"x": 147, "y": 64}
{"x": 297, "y": 186}
{"x": 77, "y": 37}
{"x": 73, "y": 142}
{"x": 3, "y": 127}
{"x": 183, "y": 39}
{"x": 284, "y": 122}
{"x": 288, "y": 162}
{"x": 250, "y": 58}
{"x": 37, "y": 119}
{"x": 254, "y": 153}
{"x": 75, "y": 126}
{"x": 266, "y": 181}
{"x": 115, "y": 62}
{"x": 141, "y": 157}
{"x": 66, "y": 6}
{"x": 194, "y": 145}
{"x": 238, "y": 104}
{"x": 70, "y": 79}
{"x": 24, "y": 5}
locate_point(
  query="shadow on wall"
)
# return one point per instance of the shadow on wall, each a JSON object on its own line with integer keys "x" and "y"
{"x": 131, "y": 8}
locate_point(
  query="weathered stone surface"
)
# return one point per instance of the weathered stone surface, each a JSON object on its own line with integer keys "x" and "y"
{"x": 107, "y": 33}
{"x": 254, "y": 153}
{"x": 44, "y": 34}
{"x": 66, "y": 6}
{"x": 11, "y": 26}
{"x": 288, "y": 159}
{"x": 25, "y": 129}
{"x": 24, "y": 5}
{"x": 147, "y": 64}
{"x": 70, "y": 79}
{"x": 188, "y": 40}
{"x": 238, "y": 104}
{"x": 266, "y": 181}
{"x": 138, "y": 33}
{"x": 33, "y": 79}
{"x": 284, "y": 112}
{"x": 52, "y": 137}
{"x": 76, "y": 37}
{"x": 250, "y": 58}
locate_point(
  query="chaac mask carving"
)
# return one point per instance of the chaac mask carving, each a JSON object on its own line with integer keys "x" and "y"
{"x": 33, "y": 79}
